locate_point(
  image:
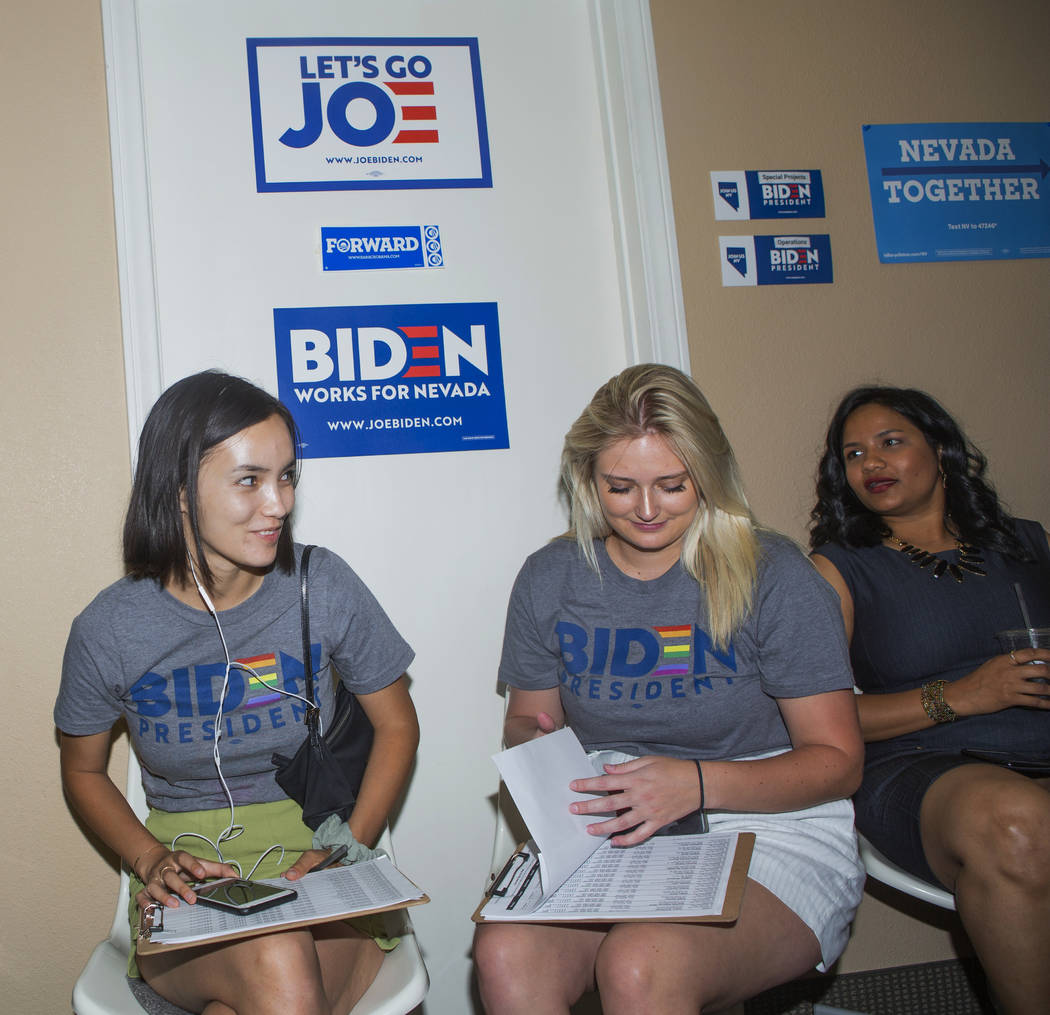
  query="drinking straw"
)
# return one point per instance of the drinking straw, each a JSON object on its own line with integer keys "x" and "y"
{"x": 1019, "y": 592}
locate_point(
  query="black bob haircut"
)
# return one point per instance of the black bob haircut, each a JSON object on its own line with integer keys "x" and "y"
{"x": 191, "y": 418}
{"x": 970, "y": 502}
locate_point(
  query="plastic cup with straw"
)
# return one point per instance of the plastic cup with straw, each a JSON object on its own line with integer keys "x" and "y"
{"x": 1027, "y": 637}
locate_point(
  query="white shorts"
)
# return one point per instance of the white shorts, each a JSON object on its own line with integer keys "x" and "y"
{"x": 807, "y": 859}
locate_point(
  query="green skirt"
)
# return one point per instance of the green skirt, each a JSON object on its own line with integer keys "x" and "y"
{"x": 264, "y": 825}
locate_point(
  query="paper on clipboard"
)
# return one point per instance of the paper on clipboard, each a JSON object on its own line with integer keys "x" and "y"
{"x": 677, "y": 878}
{"x": 371, "y": 886}
{"x": 566, "y": 874}
{"x": 538, "y": 773}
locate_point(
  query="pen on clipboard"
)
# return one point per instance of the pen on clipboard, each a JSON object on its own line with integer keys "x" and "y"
{"x": 335, "y": 856}
{"x": 525, "y": 884}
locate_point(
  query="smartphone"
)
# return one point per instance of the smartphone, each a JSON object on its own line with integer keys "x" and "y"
{"x": 237, "y": 896}
{"x": 1019, "y": 763}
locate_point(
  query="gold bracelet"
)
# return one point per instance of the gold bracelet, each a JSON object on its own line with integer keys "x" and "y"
{"x": 932, "y": 698}
{"x": 135, "y": 865}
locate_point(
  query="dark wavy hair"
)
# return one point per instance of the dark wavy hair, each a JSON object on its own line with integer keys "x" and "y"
{"x": 191, "y": 418}
{"x": 970, "y": 502}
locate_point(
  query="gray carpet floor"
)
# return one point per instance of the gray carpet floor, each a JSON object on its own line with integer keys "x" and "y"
{"x": 933, "y": 988}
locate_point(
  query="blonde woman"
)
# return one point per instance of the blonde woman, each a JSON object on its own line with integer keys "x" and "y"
{"x": 666, "y": 627}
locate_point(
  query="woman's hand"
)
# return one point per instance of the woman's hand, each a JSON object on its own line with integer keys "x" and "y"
{"x": 532, "y": 714}
{"x": 519, "y": 729}
{"x": 306, "y": 863}
{"x": 651, "y": 792}
{"x": 1002, "y": 682}
{"x": 167, "y": 876}
{"x": 102, "y": 806}
{"x": 545, "y": 724}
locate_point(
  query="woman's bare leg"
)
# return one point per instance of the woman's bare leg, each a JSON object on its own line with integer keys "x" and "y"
{"x": 693, "y": 967}
{"x": 986, "y": 834}
{"x": 285, "y": 973}
{"x": 644, "y": 967}
{"x": 529, "y": 969}
{"x": 349, "y": 963}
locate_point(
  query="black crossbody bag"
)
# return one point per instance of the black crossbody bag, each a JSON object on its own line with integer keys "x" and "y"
{"x": 325, "y": 774}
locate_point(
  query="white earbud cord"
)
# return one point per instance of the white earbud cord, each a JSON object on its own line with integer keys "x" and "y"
{"x": 232, "y": 830}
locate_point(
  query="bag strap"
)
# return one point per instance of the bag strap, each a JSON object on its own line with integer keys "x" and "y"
{"x": 304, "y": 609}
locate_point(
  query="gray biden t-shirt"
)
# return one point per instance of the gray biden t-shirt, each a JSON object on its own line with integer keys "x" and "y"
{"x": 637, "y": 669}
{"x": 138, "y": 652}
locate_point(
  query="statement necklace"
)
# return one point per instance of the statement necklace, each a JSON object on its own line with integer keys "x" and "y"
{"x": 968, "y": 559}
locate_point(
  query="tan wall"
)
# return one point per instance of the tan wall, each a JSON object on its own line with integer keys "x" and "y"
{"x": 769, "y": 85}
{"x": 65, "y": 422}
{"x": 773, "y": 361}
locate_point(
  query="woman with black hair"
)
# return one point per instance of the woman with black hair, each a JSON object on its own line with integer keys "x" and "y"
{"x": 199, "y": 648}
{"x": 929, "y": 567}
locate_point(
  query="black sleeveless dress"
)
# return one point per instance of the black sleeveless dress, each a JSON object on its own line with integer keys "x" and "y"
{"x": 910, "y": 629}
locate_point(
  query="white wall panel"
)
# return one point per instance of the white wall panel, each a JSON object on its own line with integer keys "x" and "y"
{"x": 563, "y": 242}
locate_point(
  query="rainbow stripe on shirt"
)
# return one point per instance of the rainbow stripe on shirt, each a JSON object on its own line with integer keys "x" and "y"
{"x": 261, "y": 683}
{"x": 677, "y": 650}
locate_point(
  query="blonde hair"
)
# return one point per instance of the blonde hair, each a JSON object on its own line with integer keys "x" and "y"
{"x": 720, "y": 549}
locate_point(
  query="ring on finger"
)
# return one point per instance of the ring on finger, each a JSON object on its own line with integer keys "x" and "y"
{"x": 164, "y": 869}
{"x": 1013, "y": 658}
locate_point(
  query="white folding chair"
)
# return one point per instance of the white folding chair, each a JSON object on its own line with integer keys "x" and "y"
{"x": 505, "y": 840}
{"x": 886, "y": 871}
{"x": 102, "y": 989}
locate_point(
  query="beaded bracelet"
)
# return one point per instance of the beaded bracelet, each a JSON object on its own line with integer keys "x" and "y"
{"x": 932, "y": 698}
